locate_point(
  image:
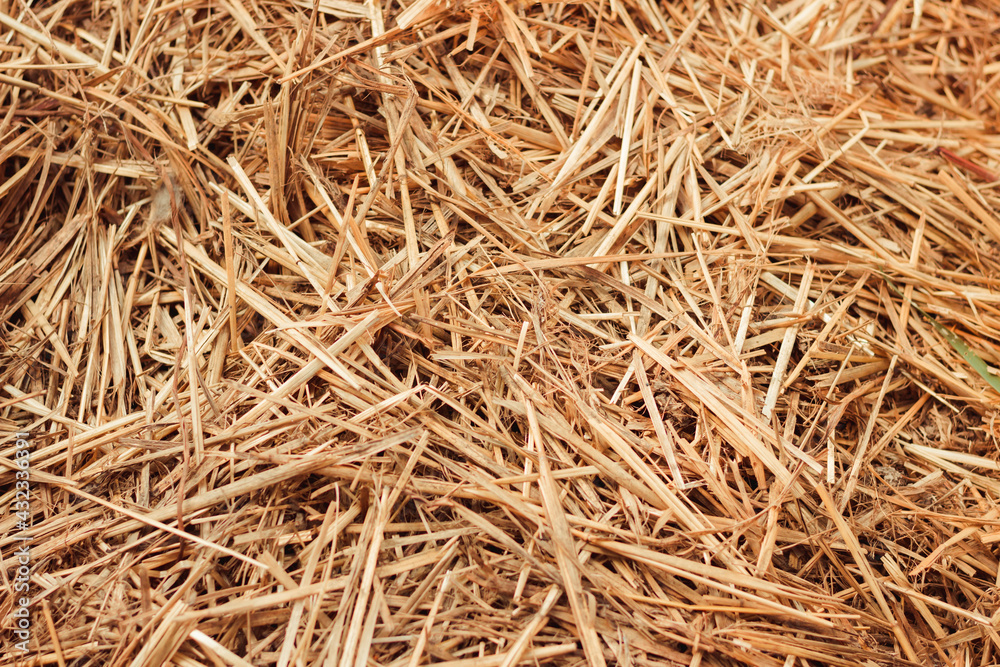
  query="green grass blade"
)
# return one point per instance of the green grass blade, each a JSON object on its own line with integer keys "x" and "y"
{"x": 956, "y": 342}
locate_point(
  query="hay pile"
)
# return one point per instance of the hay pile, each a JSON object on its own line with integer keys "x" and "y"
{"x": 486, "y": 333}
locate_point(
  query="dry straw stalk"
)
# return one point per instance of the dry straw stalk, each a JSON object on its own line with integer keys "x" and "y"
{"x": 481, "y": 332}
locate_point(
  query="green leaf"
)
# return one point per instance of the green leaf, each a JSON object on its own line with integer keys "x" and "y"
{"x": 956, "y": 342}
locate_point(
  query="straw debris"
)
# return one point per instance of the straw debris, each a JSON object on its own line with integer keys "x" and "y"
{"x": 500, "y": 333}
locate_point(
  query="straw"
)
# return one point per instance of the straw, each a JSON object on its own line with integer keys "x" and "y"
{"x": 613, "y": 332}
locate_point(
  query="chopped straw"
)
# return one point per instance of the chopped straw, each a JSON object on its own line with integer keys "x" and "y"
{"x": 479, "y": 332}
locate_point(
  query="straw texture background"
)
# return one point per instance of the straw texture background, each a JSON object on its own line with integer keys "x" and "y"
{"x": 488, "y": 333}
